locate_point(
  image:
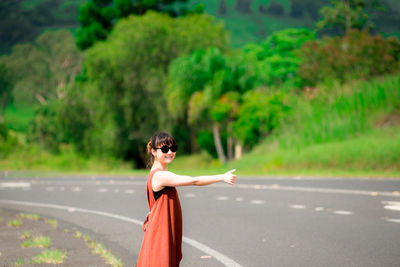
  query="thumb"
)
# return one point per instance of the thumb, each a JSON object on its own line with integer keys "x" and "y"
{"x": 231, "y": 171}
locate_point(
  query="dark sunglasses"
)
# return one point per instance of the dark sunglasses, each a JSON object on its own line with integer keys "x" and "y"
{"x": 165, "y": 148}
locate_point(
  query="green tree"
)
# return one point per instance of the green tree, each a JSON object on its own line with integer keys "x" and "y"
{"x": 202, "y": 91}
{"x": 356, "y": 55}
{"x": 276, "y": 60}
{"x": 259, "y": 114}
{"x": 98, "y": 17}
{"x": 6, "y": 87}
{"x": 347, "y": 14}
{"x": 126, "y": 75}
{"x": 42, "y": 69}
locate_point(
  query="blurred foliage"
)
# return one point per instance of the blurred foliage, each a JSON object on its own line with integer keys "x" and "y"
{"x": 41, "y": 70}
{"x": 275, "y": 61}
{"x": 259, "y": 114}
{"x": 159, "y": 72}
{"x": 22, "y": 21}
{"x": 357, "y": 55}
{"x": 348, "y": 14}
{"x": 123, "y": 93}
{"x": 6, "y": 88}
{"x": 8, "y": 142}
{"x": 98, "y": 17}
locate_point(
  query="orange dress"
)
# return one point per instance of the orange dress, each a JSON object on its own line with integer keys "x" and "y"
{"x": 162, "y": 241}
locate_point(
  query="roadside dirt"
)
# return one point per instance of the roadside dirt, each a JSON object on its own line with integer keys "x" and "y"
{"x": 62, "y": 238}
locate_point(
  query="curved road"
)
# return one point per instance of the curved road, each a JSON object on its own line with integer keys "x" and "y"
{"x": 257, "y": 222}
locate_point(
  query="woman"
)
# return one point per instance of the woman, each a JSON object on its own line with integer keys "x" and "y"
{"x": 162, "y": 240}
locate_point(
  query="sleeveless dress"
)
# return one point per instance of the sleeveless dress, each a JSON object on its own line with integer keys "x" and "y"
{"x": 162, "y": 241}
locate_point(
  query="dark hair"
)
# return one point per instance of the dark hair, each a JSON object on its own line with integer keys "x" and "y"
{"x": 158, "y": 139}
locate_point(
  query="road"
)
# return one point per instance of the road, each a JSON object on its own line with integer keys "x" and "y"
{"x": 258, "y": 222}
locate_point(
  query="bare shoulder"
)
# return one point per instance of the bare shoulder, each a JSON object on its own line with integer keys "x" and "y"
{"x": 163, "y": 174}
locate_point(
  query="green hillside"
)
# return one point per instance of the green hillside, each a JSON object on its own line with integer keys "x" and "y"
{"x": 248, "y": 20}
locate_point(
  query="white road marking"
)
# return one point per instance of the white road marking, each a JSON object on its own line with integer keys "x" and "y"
{"x": 50, "y": 188}
{"x": 257, "y": 202}
{"x": 222, "y": 198}
{"x": 319, "y": 208}
{"x": 130, "y": 191}
{"x": 102, "y": 190}
{"x": 62, "y": 188}
{"x": 297, "y": 206}
{"x": 76, "y": 189}
{"x": 311, "y": 189}
{"x": 393, "y": 220}
{"x": 391, "y": 205}
{"x": 239, "y": 199}
{"x": 205, "y": 249}
{"x": 395, "y": 203}
{"x": 190, "y": 195}
{"x": 116, "y": 190}
{"x": 15, "y": 185}
{"x": 343, "y": 212}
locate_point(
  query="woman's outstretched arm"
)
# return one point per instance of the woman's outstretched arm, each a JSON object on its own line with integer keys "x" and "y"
{"x": 162, "y": 179}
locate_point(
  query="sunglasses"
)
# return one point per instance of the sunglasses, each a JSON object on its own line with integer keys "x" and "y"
{"x": 165, "y": 148}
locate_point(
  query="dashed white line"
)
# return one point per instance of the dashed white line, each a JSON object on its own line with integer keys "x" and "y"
{"x": 257, "y": 202}
{"x": 297, "y": 206}
{"x": 130, "y": 191}
{"x": 50, "y": 188}
{"x": 393, "y": 220}
{"x": 392, "y": 207}
{"x": 190, "y": 195}
{"x": 76, "y": 189}
{"x": 14, "y": 185}
{"x": 239, "y": 199}
{"x": 222, "y": 198}
{"x": 102, "y": 190}
{"x": 319, "y": 208}
{"x": 343, "y": 212}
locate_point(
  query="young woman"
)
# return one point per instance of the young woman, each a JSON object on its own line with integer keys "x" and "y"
{"x": 162, "y": 242}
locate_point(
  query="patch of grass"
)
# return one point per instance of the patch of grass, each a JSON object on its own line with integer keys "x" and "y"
{"x": 14, "y": 223}
{"x": 32, "y": 216}
{"x": 98, "y": 248}
{"x": 374, "y": 153}
{"x": 18, "y": 117}
{"x": 52, "y": 222}
{"x": 50, "y": 256}
{"x": 37, "y": 242}
{"x": 26, "y": 235}
{"x": 32, "y": 157}
{"x": 19, "y": 262}
{"x": 78, "y": 234}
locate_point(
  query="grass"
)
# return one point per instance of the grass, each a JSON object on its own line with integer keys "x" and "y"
{"x": 19, "y": 262}
{"x": 52, "y": 222}
{"x": 376, "y": 153}
{"x": 78, "y": 234}
{"x": 19, "y": 116}
{"x": 31, "y": 216}
{"x": 99, "y": 249}
{"x": 14, "y": 223}
{"x": 37, "y": 242}
{"x": 26, "y": 235}
{"x": 50, "y": 256}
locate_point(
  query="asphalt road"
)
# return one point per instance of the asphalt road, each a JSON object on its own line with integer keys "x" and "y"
{"x": 257, "y": 222}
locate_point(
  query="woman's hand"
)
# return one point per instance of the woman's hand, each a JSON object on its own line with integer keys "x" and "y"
{"x": 229, "y": 177}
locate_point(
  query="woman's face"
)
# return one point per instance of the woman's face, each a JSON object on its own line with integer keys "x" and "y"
{"x": 163, "y": 158}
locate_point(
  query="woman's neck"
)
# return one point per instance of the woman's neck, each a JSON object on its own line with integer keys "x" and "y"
{"x": 159, "y": 165}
